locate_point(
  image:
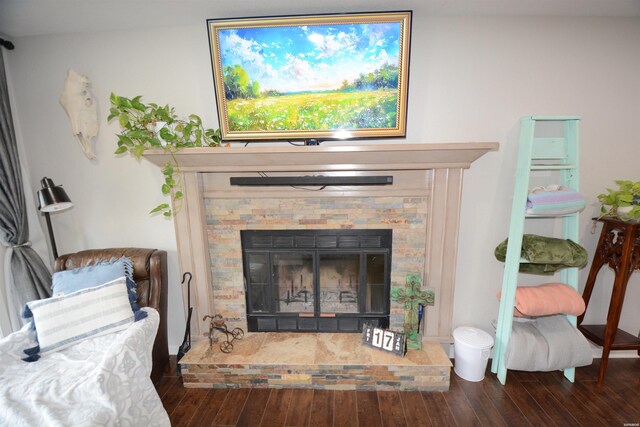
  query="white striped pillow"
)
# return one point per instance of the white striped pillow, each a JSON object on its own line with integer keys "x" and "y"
{"x": 66, "y": 320}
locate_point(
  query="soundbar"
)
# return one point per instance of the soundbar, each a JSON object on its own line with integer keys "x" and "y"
{"x": 312, "y": 180}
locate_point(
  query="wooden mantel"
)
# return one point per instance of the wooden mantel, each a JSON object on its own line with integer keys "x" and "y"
{"x": 431, "y": 170}
{"x": 326, "y": 157}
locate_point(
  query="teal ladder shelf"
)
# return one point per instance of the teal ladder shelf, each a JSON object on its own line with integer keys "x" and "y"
{"x": 536, "y": 154}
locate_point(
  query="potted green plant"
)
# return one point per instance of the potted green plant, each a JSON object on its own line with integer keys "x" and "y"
{"x": 149, "y": 125}
{"x": 623, "y": 202}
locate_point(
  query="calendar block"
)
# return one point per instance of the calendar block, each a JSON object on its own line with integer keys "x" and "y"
{"x": 384, "y": 339}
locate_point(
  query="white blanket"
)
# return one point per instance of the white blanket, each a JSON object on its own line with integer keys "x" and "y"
{"x": 102, "y": 381}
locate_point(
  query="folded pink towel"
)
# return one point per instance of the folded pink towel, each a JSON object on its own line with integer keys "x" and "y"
{"x": 547, "y": 299}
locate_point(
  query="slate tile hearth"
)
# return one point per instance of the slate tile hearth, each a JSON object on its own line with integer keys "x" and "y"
{"x": 315, "y": 360}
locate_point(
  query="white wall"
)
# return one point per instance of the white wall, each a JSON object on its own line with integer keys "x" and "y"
{"x": 471, "y": 79}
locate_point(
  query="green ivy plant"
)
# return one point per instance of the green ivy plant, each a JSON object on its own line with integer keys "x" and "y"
{"x": 626, "y": 195}
{"x": 152, "y": 126}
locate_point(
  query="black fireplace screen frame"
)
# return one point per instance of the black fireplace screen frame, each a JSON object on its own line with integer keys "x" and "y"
{"x": 316, "y": 243}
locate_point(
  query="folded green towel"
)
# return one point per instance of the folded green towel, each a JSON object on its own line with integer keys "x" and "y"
{"x": 546, "y": 255}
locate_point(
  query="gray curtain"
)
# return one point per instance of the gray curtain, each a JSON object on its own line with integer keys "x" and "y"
{"x": 28, "y": 278}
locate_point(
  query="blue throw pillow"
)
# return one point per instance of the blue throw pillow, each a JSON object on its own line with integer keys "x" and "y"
{"x": 89, "y": 276}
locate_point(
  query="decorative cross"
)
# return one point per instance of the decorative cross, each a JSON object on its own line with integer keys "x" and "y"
{"x": 411, "y": 297}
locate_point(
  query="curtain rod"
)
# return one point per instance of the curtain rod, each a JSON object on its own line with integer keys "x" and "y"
{"x": 6, "y": 44}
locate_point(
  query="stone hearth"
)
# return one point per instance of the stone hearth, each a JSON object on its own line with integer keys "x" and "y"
{"x": 318, "y": 360}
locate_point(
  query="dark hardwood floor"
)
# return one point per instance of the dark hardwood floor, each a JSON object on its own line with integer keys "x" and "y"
{"x": 528, "y": 399}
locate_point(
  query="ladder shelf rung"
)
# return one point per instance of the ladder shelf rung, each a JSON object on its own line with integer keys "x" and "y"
{"x": 553, "y": 167}
{"x": 554, "y": 118}
{"x": 551, "y": 215}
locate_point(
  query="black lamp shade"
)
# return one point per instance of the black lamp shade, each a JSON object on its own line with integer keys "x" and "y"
{"x": 52, "y": 198}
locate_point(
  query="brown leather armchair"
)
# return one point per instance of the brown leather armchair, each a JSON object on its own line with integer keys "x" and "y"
{"x": 150, "y": 275}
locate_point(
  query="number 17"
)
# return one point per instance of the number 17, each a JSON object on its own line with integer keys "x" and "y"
{"x": 388, "y": 340}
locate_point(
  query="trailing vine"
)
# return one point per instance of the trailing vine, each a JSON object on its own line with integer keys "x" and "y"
{"x": 149, "y": 125}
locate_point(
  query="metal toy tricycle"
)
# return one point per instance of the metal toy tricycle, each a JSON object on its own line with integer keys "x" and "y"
{"x": 217, "y": 324}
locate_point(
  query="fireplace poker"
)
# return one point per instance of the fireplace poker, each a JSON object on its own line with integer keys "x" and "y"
{"x": 186, "y": 342}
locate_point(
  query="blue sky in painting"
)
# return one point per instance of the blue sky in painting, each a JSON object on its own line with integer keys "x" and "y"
{"x": 318, "y": 57}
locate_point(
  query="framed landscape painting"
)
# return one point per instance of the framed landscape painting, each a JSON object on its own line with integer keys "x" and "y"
{"x": 317, "y": 77}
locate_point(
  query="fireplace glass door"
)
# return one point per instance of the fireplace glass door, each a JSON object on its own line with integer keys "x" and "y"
{"x": 316, "y": 280}
{"x": 293, "y": 281}
{"x": 339, "y": 276}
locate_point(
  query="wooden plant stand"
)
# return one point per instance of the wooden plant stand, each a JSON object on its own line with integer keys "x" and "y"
{"x": 619, "y": 247}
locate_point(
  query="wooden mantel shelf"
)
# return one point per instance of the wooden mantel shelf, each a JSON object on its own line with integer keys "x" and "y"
{"x": 326, "y": 157}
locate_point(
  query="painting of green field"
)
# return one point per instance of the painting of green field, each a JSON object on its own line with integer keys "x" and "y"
{"x": 315, "y": 111}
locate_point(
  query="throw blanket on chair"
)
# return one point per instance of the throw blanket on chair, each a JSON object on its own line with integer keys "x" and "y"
{"x": 546, "y": 255}
{"x": 98, "y": 382}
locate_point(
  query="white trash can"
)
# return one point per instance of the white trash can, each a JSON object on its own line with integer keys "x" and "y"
{"x": 472, "y": 348}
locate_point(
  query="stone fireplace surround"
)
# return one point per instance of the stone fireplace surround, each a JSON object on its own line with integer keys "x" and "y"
{"x": 431, "y": 172}
{"x": 225, "y": 218}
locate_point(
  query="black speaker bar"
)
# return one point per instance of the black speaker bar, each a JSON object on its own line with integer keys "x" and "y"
{"x": 260, "y": 181}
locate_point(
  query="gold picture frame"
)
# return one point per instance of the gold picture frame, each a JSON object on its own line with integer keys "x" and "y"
{"x": 313, "y": 77}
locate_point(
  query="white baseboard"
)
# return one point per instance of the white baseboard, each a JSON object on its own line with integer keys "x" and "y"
{"x": 596, "y": 352}
{"x": 617, "y": 354}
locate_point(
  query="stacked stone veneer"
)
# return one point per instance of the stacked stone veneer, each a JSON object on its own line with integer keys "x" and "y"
{"x": 332, "y": 361}
{"x": 225, "y": 217}
{"x": 319, "y": 377}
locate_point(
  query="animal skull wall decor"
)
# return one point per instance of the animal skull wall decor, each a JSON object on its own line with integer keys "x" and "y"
{"x": 80, "y": 105}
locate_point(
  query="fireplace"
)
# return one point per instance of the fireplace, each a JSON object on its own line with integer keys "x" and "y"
{"x": 316, "y": 280}
{"x": 422, "y": 206}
